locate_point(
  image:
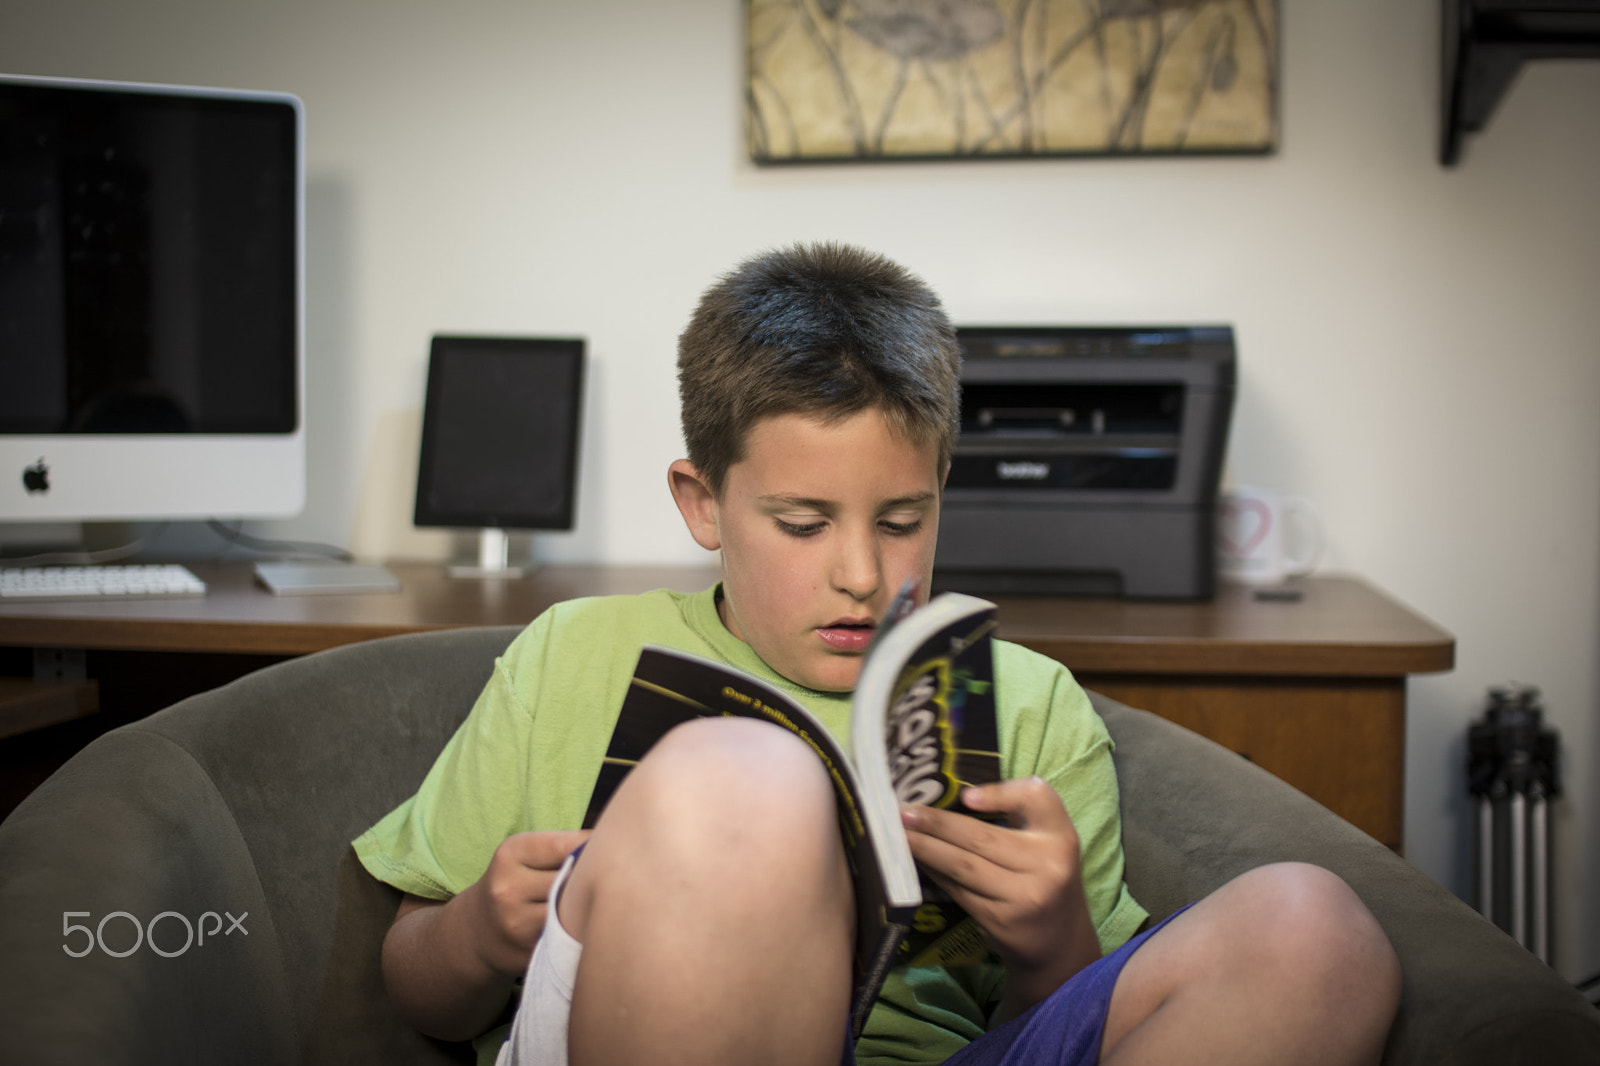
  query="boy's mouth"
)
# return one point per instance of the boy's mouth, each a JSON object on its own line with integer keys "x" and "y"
{"x": 848, "y": 635}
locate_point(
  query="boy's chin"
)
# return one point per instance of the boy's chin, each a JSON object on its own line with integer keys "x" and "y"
{"x": 833, "y": 673}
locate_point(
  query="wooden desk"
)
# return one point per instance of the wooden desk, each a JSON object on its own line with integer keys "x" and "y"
{"x": 237, "y": 616}
{"x": 1312, "y": 690}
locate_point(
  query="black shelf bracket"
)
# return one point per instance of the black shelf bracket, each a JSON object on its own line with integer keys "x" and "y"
{"x": 1485, "y": 44}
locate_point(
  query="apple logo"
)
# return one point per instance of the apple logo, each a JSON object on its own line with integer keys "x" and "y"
{"x": 36, "y": 478}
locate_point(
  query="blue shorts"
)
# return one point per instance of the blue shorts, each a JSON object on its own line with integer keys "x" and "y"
{"x": 1063, "y": 1029}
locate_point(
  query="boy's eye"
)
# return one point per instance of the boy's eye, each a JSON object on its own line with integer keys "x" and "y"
{"x": 901, "y": 529}
{"x": 799, "y": 529}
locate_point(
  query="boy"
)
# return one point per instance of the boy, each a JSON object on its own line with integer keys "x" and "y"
{"x": 710, "y": 917}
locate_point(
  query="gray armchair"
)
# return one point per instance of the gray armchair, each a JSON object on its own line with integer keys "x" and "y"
{"x": 226, "y": 818}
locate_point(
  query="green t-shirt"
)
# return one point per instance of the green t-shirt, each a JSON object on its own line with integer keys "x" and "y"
{"x": 527, "y": 756}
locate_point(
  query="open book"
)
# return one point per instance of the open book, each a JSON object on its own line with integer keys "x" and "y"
{"x": 922, "y": 728}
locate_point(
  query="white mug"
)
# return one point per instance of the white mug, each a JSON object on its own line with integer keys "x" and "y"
{"x": 1264, "y": 537}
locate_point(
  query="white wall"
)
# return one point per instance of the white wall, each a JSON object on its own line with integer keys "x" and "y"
{"x": 1419, "y": 348}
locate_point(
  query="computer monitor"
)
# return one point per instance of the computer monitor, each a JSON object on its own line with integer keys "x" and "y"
{"x": 500, "y": 439}
{"x": 151, "y": 294}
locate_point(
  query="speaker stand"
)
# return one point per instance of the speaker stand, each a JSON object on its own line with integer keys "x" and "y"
{"x": 493, "y": 546}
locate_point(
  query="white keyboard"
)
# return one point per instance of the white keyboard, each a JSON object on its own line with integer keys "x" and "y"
{"x": 98, "y": 582}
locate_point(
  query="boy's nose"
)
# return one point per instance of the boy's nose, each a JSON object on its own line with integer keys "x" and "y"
{"x": 857, "y": 569}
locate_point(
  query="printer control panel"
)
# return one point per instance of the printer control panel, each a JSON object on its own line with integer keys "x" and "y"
{"x": 1063, "y": 436}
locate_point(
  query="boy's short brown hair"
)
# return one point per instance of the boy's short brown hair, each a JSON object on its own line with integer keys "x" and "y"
{"x": 817, "y": 329}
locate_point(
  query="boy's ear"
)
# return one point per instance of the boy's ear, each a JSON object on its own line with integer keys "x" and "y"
{"x": 696, "y": 503}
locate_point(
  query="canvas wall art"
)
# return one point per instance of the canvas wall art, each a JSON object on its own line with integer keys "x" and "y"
{"x": 887, "y": 79}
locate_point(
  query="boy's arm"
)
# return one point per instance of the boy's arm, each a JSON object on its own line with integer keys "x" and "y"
{"x": 1022, "y": 882}
{"x": 449, "y": 965}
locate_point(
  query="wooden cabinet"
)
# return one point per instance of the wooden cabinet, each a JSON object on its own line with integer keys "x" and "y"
{"x": 1312, "y": 688}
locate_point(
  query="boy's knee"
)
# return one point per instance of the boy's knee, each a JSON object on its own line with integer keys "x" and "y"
{"x": 1317, "y": 907}
{"x": 1320, "y": 929}
{"x": 732, "y": 815}
{"x": 742, "y": 769}
{"x": 730, "y": 787}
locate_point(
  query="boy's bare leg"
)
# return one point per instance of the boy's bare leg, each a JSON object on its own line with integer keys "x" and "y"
{"x": 1282, "y": 964}
{"x": 714, "y": 907}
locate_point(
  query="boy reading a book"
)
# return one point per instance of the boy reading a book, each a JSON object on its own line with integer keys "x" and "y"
{"x": 709, "y": 917}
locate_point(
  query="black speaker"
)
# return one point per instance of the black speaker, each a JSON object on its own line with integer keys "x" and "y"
{"x": 500, "y": 433}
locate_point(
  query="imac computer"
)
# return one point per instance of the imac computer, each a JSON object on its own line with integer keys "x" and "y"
{"x": 500, "y": 440}
{"x": 151, "y": 294}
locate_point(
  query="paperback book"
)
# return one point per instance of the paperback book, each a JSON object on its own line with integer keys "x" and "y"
{"x": 922, "y": 729}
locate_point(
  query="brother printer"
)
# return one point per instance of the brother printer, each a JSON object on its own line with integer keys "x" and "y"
{"x": 1088, "y": 462}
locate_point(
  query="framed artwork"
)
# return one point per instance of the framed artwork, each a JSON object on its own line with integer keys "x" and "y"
{"x": 934, "y": 79}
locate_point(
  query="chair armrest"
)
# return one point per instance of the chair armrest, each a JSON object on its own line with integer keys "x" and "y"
{"x": 241, "y": 800}
{"x": 132, "y": 825}
{"x": 1195, "y": 815}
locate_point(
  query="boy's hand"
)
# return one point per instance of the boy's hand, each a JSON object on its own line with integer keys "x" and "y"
{"x": 1022, "y": 882}
{"x": 507, "y": 906}
{"x": 449, "y": 965}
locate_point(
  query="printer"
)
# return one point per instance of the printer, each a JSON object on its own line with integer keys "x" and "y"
{"x": 1088, "y": 462}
